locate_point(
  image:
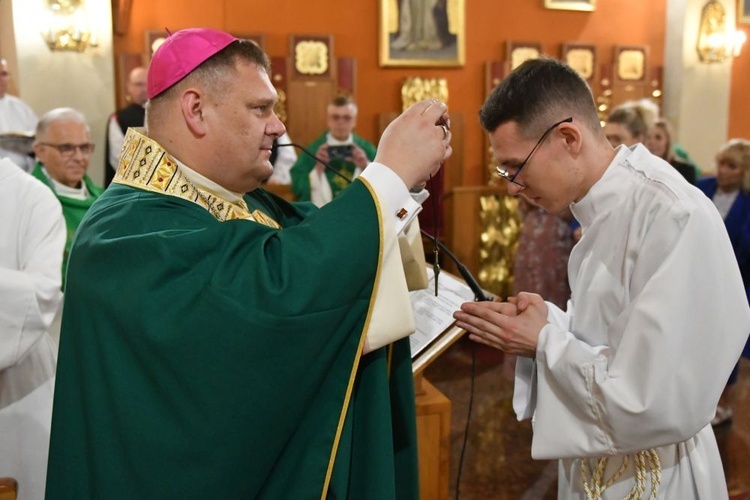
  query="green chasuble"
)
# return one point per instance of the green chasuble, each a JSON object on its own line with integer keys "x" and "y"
{"x": 73, "y": 210}
{"x": 301, "y": 169}
{"x": 212, "y": 349}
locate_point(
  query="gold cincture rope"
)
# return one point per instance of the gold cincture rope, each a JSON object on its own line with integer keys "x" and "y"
{"x": 646, "y": 464}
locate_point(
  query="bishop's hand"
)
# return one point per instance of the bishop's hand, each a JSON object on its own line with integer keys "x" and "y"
{"x": 415, "y": 144}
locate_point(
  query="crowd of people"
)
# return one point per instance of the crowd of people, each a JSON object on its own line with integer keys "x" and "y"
{"x": 214, "y": 331}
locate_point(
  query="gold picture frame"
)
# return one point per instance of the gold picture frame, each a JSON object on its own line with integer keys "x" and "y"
{"x": 630, "y": 63}
{"x": 582, "y": 58}
{"x": 581, "y": 5}
{"x": 517, "y": 53}
{"x": 422, "y": 33}
{"x": 743, "y": 11}
{"x": 154, "y": 39}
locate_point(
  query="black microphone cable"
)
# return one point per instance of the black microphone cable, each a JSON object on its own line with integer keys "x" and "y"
{"x": 324, "y": 163}
{"x": 479, "y": 296}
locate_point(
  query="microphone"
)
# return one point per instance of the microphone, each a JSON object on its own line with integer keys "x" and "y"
{"x": 471, "y": 282}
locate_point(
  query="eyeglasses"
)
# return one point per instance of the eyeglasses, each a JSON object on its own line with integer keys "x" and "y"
{"x": 503, "y": 171}
{"x": 70, "y": 149}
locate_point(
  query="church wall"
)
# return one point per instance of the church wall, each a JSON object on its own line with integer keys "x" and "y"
{"x": 489, "y": 24}
{"x": 46, "y": 80}
{"x": 739, "y": 103}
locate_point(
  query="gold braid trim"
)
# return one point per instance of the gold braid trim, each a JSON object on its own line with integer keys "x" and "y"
{"x": 646, "y": 464}
{"x": 360, "y": 347}
{"x": 145, "y": 165}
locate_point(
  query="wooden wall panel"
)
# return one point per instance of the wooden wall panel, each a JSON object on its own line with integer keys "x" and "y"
{"x": 356, "y": 32}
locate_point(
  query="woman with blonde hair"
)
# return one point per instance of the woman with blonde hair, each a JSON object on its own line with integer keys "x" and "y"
{"x": 659, "y": 142}
{"x": 730, "y": 192}
{"x": 628, "y": 123}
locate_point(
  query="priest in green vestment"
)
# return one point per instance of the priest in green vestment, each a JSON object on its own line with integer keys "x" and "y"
{"x": 338, "y": 146}
{"x": 219, "y": 342}
{"x": 63, "y": 149}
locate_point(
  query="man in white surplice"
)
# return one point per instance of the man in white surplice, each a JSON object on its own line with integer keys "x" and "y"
{"x": 32, "y": 238}
{"x": 618, "y": 386}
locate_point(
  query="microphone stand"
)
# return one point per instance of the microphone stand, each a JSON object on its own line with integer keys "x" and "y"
{"x": 471, "y": 282}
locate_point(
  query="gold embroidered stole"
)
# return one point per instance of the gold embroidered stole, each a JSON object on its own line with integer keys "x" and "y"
{"x": 144, "y": 164}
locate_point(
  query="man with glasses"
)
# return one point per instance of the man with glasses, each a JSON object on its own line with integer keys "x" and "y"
{"x": 338, "y": 146}
{"x": 63, "y": 150}
{"x": 618, "y": 385}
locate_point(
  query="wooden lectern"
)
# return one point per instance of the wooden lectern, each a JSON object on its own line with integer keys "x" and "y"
{"x": 433, "y": 422}
{"x": 8, "y": 488}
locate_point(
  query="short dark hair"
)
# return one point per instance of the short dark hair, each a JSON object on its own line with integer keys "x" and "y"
{"x": 342, "y": 100}
{"x": 536, "y": 94}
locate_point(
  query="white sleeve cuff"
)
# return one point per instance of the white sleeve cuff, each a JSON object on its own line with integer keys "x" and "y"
{"x": 524, "y": 390}
{"x": 393, "y": 194}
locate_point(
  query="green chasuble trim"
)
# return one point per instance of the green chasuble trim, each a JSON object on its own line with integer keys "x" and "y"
{"x": 223, "y": 358}
{"x": 361, "y": 344}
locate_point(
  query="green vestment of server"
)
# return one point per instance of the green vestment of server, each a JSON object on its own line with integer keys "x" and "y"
{"x": 205, "y": 355}
{"x": 73, "y": 209}
{"x": 301, "y": 169}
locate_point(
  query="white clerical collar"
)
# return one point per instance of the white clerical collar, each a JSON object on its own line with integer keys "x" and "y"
{"x": 203, "y": 182}
{"x": 81, "y": 193}
{"x": 332, "y": 141}
{"x": 603, "y": 193}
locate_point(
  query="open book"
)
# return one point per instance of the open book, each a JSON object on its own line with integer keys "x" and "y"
{"x": 434, "y": 316}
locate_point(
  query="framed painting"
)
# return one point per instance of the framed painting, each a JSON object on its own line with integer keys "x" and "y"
{"x": 743, "y": 11}
{"x": 630, "y": 63}
{"x": 583, "y": 5}
{"x": 581, "y": 57}
{"x": 516, "y": 53}
{"x": 312, "y": 55}
{"x": 121, "y": 16}
{"x": 154, "y": 39}
{"x": 422, "y": 33}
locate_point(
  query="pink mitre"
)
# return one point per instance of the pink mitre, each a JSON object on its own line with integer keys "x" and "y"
{"x": 181, "y": 53}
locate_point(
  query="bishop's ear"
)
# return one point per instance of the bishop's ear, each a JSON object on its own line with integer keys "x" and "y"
{"x": 191, "y": 104}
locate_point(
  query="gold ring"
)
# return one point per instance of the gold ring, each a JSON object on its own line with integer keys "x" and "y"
{"x": 445, "y": 131}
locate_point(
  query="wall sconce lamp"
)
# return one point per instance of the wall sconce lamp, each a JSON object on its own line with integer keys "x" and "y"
{"x": 68, "y": 26}
{"x": 717, "y": 41}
